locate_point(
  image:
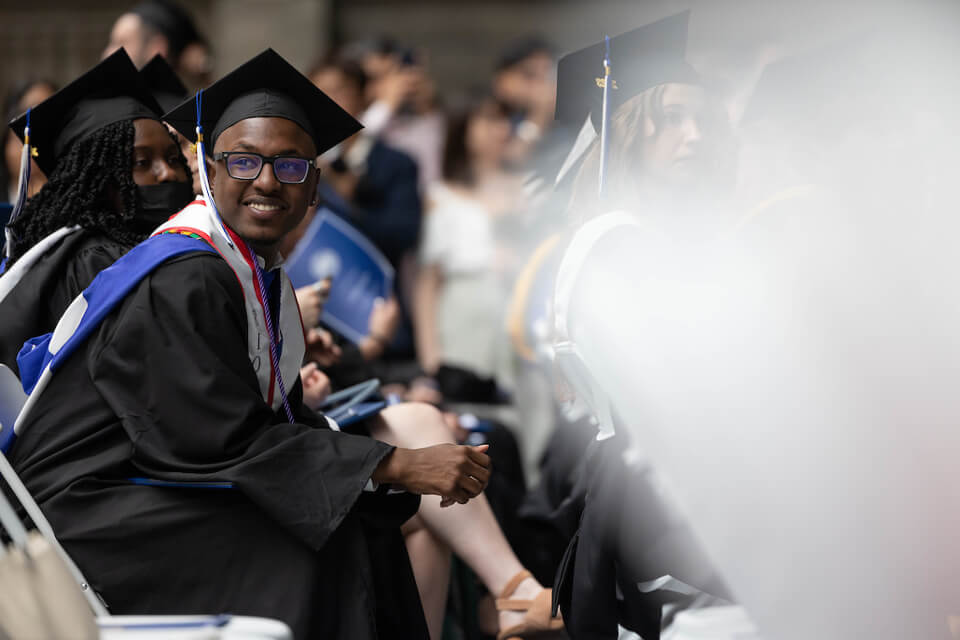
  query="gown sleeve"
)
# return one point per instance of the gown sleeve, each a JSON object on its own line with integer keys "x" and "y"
{"x": 173, "y": 366}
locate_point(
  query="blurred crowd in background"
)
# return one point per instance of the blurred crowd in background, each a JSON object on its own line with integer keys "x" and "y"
{"x": 455, "y": 190}
{"x": 467, "y": 193}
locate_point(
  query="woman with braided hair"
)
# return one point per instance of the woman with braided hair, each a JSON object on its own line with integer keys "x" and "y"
{"x": 114, "y": 174}
{"x": 86, "y": 187}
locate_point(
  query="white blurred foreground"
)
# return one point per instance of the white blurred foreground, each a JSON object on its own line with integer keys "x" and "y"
{"x": 796, "y": 382}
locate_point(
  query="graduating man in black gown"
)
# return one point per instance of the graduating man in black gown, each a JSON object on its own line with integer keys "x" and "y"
{"x": 178, "y": 468}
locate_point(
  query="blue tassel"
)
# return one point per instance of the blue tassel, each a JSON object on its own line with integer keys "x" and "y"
{"x": 22, "y": 186}
{"x": 204, "y": 179}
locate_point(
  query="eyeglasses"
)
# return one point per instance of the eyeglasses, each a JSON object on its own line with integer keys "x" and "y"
{"x": 246, "y": 165}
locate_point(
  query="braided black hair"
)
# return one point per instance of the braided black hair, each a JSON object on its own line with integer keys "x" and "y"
{"x": 91, "y": 186}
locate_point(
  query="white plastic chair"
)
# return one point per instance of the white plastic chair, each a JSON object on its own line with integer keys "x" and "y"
{"x": 223, "y": 627}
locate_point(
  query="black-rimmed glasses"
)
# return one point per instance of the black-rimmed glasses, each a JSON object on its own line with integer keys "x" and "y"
{"x": 247, "y": 165}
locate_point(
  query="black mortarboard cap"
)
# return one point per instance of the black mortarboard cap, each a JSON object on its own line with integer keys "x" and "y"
{"x": 645, "y": 57}
{"x": 265, "y": 86}
{"x": 163, "y": 83}
{"x": 110, "y": 92}
{"x": 818, "y": 89}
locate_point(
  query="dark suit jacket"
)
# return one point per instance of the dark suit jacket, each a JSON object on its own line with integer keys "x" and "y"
{"x": 386, "y": 205}
{"x": 387, "y": 208}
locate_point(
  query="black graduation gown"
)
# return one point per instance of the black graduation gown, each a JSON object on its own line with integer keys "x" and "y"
{"x": 35, "y": 304}
{"x": 164, "y": 390}
{"x": 628, "y": 535}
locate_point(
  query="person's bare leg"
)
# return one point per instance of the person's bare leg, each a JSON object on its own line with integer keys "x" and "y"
{"x": 470, "y": 530}
{"x": 430, "y": 560}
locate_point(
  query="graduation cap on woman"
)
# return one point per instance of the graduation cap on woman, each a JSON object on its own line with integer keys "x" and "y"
{"x": 163, "y": 83}
{"x": 110, "y": 92}
{"x": 593, "y": 82}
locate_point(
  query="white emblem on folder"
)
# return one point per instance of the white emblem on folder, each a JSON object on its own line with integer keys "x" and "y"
{"x": 324, "y": 264}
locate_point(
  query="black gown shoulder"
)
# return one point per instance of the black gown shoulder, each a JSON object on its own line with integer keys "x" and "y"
{"x": 34, "y": 306}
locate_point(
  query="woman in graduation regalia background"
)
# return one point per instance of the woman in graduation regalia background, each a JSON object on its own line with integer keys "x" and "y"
{"x": 788, "y": 371}
{"x": 664, "y": 134}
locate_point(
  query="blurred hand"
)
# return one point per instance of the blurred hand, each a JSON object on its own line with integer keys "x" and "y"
{"x": 321, "y": 348}
{"x": 424, "y": 95}
{"x": 316, "y": 386}
{"x": 311, "y": 299}
{"x": 397, "y": 86}
{"x": 424, "y": 389}
{"x": 383, "y": 322}
{"x": 455, "y": 472}
{"x": 384, "y": 319}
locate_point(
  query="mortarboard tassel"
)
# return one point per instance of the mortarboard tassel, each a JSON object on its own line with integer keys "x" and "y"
{"x": 605, "y": 116}
{"x": 22, "y": 185}
{"x": 202, "y": 169}
{"x": 258, "y": 270}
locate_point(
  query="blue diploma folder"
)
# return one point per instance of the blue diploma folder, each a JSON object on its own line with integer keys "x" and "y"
{"x": 358, "y": 412}
{"x": 331, "y": 247}
{"x": 355, "y": 403}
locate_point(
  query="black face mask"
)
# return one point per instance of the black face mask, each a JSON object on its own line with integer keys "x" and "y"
{"x": 157, "y": 202}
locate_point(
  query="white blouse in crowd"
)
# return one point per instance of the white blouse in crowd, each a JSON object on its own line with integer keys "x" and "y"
{"x": 458, "y": 233}
{"x": 458, "y": 239}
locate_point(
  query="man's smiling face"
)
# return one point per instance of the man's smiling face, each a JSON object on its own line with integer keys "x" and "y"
{"x": 264, "y": 210}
